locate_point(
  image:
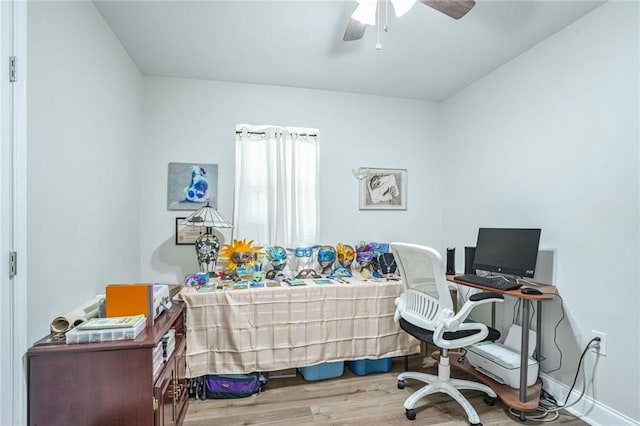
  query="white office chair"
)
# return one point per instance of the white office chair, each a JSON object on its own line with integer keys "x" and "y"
{"x": 425, "y": 310}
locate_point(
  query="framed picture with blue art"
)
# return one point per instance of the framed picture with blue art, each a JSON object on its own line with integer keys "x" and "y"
{"x": 190, "y": 185}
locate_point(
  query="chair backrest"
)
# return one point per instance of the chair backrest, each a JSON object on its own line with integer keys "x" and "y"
{"x": 422, "y": 269}
{"x": 426, "y": 301}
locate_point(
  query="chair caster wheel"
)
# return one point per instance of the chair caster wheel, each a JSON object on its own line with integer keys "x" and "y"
{"x": 411, "y": 414}
{"x": 475, "y": 424}
{"x": 490, "y": 400}
{"x": 401, "y": 386}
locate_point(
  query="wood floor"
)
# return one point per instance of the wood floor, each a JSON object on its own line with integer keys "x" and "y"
{"x": 368, "y": 400}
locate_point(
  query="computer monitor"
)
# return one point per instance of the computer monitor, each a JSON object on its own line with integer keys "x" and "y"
{"x": 507, "y": 251}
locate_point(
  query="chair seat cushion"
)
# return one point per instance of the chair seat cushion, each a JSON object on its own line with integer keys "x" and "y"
{"x": 427, "y": 335}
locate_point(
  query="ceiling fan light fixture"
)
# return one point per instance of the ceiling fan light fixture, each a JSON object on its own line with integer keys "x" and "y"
{"x": 366, "y": 12}
{"x": 402, "y": 6}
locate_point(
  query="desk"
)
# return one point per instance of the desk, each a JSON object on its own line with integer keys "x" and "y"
{"x": 275, "y": 328}
{"x": 527, "y": 398}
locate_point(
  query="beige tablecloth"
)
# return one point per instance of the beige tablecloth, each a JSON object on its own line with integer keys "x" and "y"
{"x": 268, "y": 329}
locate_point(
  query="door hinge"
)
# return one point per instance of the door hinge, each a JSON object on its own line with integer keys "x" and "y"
{"x": 13, "y": 75}
{"x": 155, "y": 404}
{"x": 13, "y": 264}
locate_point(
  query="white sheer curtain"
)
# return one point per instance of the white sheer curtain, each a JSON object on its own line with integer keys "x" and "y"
{"x": 276, "y": 188}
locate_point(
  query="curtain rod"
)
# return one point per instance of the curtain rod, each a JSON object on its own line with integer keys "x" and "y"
{"x": 239, "y": 132}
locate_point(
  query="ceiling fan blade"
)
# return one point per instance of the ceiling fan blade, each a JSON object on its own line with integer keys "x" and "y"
{"x": 453, "y": 8}
{"x": 355, "y": 30}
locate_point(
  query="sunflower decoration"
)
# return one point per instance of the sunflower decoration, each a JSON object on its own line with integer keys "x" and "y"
{"x": 240, "y": 255}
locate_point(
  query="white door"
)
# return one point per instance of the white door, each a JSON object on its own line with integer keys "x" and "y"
{"x": 13, "y": 236}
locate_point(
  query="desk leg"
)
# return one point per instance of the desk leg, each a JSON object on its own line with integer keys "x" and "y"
{"x": 524, "y": 350}
{"x": 538, "y": 356}
{"x": 493, "y": 315}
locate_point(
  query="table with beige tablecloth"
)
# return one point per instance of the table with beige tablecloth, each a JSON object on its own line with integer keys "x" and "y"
{"x": 269, "y": 329}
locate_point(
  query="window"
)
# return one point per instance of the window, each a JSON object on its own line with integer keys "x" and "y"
{"x": 276, "y": 188}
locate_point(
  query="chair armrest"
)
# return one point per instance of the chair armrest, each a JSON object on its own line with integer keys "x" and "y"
{"x": 485, "y": 295}
{"x": 456, "y": 322}
{"x": 400, "y": 303}
{"x": 476, "y": 300}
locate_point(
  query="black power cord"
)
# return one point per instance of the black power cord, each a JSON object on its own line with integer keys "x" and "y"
{"x": 575, "y": 379}
{"x": 555, "y": 337}
{"x": 516, "y": 320}
{"x": 553, "y": 408}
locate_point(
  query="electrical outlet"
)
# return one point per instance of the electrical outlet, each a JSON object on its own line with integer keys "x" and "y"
{"x": 601, "y": 348}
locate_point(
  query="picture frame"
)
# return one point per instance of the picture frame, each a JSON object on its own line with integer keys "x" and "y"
{"x": 383, "y": 189}
{"x": 191, "y": 185}
{"x": 187, "y": 235}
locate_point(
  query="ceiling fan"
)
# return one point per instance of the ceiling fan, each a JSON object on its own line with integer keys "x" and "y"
{"x": 365, "y": 13}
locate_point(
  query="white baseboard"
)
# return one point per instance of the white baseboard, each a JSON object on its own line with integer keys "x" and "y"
{"x": 587, "y": 409}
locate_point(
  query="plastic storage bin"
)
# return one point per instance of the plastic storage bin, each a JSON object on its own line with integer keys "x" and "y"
{"x": 326, "y": 370}
{"x": 363, "y": 367}
{"x": 74, "y": 335}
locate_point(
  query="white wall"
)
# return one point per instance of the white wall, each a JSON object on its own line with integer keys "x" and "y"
{"x": 194, "y": 121}
{"x": 551, "y": 140}
{"x": 83, "y": 160}
{"x": 559, "y": 124}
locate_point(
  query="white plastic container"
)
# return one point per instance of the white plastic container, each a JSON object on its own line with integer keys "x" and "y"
{"x": 74, "y": 336}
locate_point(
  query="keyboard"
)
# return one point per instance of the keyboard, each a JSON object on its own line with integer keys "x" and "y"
{"x": 497, "y": 283}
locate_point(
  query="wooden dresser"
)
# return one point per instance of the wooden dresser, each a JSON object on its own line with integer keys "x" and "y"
{"x": 109, "y": 383}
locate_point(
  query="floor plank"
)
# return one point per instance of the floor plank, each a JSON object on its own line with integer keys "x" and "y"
{"x": 369, "y": 400}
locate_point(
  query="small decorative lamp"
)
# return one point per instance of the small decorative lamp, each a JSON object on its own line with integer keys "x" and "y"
{"x": 207, "y": 244}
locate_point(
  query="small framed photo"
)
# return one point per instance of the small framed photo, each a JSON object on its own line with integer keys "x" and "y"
{"x": 187, "y": 235}
{"x": 383, "y": 189}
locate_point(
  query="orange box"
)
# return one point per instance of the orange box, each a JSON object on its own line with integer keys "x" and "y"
{"x": 130, "y": 299}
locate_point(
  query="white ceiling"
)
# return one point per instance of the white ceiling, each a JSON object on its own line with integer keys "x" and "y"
{"x": 298, "y": 43}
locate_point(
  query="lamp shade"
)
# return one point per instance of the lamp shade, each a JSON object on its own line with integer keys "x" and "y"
{"x": 207, "y": 216}
{"x": 207, "y": 245}
{"x": 366, "y": 12}
{"x": 402, "y": 6}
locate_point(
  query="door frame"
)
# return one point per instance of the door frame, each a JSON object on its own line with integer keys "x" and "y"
{"x": 13, "y": 212}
